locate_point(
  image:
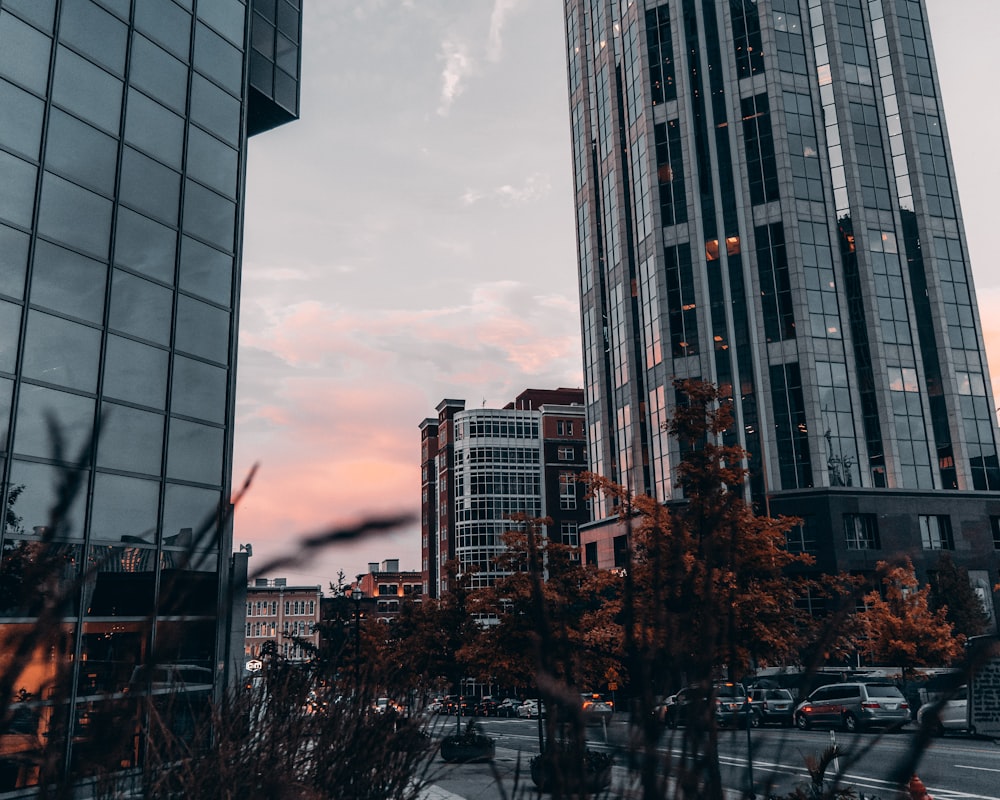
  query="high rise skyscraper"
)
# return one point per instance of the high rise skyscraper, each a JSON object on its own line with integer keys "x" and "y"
{"x": 123, "y": 142}
{"x": 766, "y": 200}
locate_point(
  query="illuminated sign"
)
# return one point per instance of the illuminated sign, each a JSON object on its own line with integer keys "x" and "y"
{"x": 254, "y": 664}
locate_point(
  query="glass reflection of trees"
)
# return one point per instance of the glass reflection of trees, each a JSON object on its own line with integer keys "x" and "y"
{"x": 89, "y": 629}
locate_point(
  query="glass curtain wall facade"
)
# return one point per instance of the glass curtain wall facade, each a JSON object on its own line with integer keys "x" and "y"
{"x": 123, "y": 131}
{"x": 497, "y": 474}
{"x": 766, "y": 200}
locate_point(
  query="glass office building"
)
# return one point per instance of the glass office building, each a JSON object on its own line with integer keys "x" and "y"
{"x": 766, "y": 200}
{"x": 123, "y": 141}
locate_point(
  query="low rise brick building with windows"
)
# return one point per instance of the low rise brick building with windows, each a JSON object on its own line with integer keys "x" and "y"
{"x": 388, "y": 588}
{"x": 282, "y": 614}
{"x": 480, "y": 466}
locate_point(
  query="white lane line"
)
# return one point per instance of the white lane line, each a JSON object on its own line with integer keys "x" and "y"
{"x": 981, "y": 769}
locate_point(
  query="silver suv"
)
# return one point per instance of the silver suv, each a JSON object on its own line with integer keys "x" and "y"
{"x": 854, "y": 706}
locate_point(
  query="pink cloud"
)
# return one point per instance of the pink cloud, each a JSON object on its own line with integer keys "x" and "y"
{"x": 331, "y": 398}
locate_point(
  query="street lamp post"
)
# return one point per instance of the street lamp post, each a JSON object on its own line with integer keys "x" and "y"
{"x": 357, "y": 594}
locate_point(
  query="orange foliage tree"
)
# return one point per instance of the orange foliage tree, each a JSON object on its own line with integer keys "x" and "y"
{"x": 706, "y": 589}
{"x": 706, "y": 585}
{"x": 555, "y": 627}
{"x": 899, "y": 627}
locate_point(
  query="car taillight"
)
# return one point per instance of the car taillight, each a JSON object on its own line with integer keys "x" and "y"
{"x": 870, "y": 705}
{"x": 904, "y": 705}
{"x": 807, "y": 709}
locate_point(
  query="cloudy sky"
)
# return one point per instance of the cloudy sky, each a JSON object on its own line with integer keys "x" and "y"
{"x": 411, "y": 238}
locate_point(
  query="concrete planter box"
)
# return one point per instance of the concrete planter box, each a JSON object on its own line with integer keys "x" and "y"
{"x": 466, "y": 749}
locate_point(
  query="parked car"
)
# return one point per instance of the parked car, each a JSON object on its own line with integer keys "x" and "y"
{"x": 730, "y": 700}
{"x": 854, "y": 707}
{"x": 771, "y": 705}
{"x": 529, "y": 709}
{"x": 387, "y": 704}
{"x": 507, "y": 707}
{"x": 596, "y": 709}
{"x": 435, "y": 706}
{"x": 944, "y": 715}
{"x": 486, "y": 706}
{"x": 466, "y": 703}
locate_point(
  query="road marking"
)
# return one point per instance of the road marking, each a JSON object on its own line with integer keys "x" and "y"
{"x": 981, "y": 769}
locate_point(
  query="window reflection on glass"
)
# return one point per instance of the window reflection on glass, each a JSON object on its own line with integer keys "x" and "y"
{"x": 167, "y": 23}
{"x": 130, "y": 439}
{"x": 43, "y": 412}
{"x": 186, "y": 641}
{"x": 198, "y": 390}
{"x": 209, "y": 216}
{"x": 14, "y": 246}
{"x": 123, "y": 581}
{"x": 140, "y": 307}
{"x": 227, "y": 17}
{"x": 150, "y": 187}
{"x": 95, "y": 32}
{"x": 43, "y": 484}
{"x": 24, "y": 56}
{"x": 205, "y": 271}
{"x": 68, "y": 282}
{"x": 10, "y": 334}
{"x": 40, "y": 12}
{"x": 21, "y": 122}
{"x": 153, "y": 128}
{"x": 18, "y": 180}
{"x": 287, "y": 55}
{"x": 158, "y": 73}
{"x": 105, "y": 735}
{"x": 61, "y": 352}
{"x": 38, "y": 710}
{"x": 6, "y": 398}
{"x": 111, "y": 653}
{"x": 216, "y": 57}
{"x": 212, "y": 162}
{"x": 87, "y": 90}
{"x": 74, "y": 216}
{"x": 33, "y": 571}
{"x": 202, "y": 330}
{"x": 124, "y": 509}
{"x": 189, "y": 511}
{"x": 135, "y": 372}
{"x": 215, "y": 110}
{"x": 263, "y": 37}
{"x": 145, "y": 246}
{"x": 286, "y": 91}
{"x": 194, "y": 452}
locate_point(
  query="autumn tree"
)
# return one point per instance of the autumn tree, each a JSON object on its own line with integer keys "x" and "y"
{"x": 705, "y": 585}
{"x": 900, "y": 628}
{"x": 555, "y": 628}
{"x": 952, "y": 590}
{"x": 706, "y": 582}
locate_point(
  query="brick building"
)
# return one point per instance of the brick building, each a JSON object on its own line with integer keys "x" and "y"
{"x": 277, "y": 612}
{"x": 480, "y": 466}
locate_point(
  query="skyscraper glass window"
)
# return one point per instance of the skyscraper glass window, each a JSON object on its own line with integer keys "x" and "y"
{"x": 123, "y": 133}
{"x": 808, "y": 254}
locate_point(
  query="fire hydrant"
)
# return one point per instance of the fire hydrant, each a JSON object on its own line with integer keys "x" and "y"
{"x": 917, "y": 790}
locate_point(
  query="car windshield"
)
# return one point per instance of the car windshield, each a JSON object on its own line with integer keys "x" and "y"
{"x": 779, "y": 694}
{"x": 882, "y": 690}
{"x": 731, "y": 690}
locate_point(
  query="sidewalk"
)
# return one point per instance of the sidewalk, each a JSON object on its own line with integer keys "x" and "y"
{"x": 434, "y": 792}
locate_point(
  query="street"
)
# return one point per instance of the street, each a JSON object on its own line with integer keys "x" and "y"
{"x": 952, "y": 767}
